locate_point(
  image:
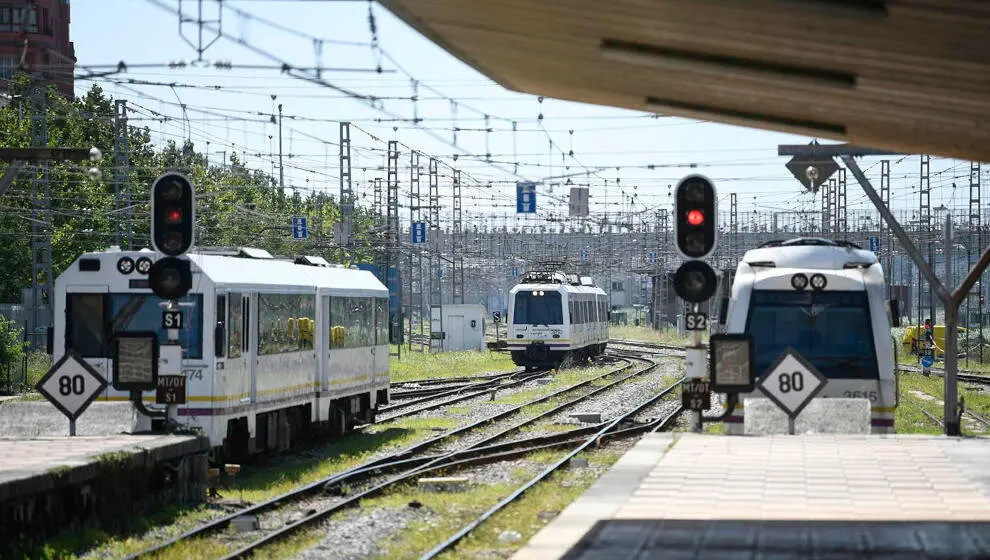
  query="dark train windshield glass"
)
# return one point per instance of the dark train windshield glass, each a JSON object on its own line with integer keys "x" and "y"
{"x": 538, "y": 310}
{"x": 93, "y": 318}
{"x": 830, "y": 329}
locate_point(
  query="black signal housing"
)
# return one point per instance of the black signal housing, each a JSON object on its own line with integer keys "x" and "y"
{"x": 172, "y": 214}
{"x": 696, "y": 238}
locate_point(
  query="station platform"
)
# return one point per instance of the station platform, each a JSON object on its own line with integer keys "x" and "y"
{"x": 48, "y": 484}
{"x": 686, "y": 495}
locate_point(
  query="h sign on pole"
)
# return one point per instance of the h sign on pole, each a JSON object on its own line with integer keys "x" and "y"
{"x": 526, "y": 197}
{"x": 875, "y": 245}
{"x": 419, "y": 232}
{"x": 299, "y": 230}
{"x": 584, "y": 254}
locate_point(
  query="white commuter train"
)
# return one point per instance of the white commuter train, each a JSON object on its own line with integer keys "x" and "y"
{"x": 554, "y": 316}
{"x": 828, "y": 301}
{"x": 271, "y": 349}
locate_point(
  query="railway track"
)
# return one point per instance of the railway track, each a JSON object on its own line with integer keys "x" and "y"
{"x": 968, "y": 376}
{"x": 416, "y": 460}
{"x": 467, "y": 379}
{"x": 458, "y": 394}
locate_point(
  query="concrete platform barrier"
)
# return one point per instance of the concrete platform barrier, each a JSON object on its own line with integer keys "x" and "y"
{"x": 52, "y": 485}
{"x": 821, "y": 416}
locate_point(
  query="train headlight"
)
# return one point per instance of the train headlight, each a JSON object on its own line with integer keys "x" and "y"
{"x": 818, "y": 282}
{"x": 799, "y": 281}
{"x": 536, "y": 292}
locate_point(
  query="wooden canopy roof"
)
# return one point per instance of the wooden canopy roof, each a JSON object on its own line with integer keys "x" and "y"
{"x": 908, "y": 76}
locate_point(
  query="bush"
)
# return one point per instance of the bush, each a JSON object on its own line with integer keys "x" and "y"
{"x": 11, "y": 343}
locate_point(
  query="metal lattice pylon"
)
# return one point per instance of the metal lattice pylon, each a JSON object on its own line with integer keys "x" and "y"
{"x": 41, "y": 230}
{"x": 122, "y": 177}
{"x": 435, "y": 263}
{"x": 346, "y": 192}
{"x": 415, "y": 305}
{"x": 392, "y": 237}
{"x": 925, "y": 236}
{"x": 457, "y": 281}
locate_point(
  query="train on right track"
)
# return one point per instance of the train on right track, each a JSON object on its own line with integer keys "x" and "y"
{"x": 827, "y": 300}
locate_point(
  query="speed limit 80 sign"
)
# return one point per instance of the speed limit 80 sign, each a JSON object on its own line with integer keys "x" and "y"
{"x": 791, "y": 382}
{"x": 71, "y": 385}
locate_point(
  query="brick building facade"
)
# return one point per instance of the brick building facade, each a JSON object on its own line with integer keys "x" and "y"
{"x": 34, "y": 35}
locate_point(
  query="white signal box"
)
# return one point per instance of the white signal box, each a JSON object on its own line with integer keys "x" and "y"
{"x": 696, "y": 363}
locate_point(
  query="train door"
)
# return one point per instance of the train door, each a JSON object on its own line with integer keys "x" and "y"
{"x": 455, "y": 332}
{"x": 238, "y": 378}
{"x": 86, "y": 316}
{"x": 324, "y": 334}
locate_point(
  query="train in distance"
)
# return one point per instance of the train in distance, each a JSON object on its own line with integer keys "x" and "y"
{"x": 272, "y": 349}
{"x": 555, "y": 316}
{"x": 828, "y": 301}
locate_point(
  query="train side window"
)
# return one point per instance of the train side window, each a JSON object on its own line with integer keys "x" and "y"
{"x": 86, "y": 315}
{"x": 285, "y": 323}
{"x": 381, "y": 320}
{"x": 235, "y": 328}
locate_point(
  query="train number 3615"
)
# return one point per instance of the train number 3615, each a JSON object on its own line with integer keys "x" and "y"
{"x": 872, "y": 395}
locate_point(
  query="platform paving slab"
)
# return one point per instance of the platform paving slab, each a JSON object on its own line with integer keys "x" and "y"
{"x": 820, "y": 496}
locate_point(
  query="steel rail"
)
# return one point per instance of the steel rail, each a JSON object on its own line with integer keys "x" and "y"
{"x": 404, "y": 455}
{"x": 440, "y": 463}
{"x": 459, "y": 396}
{"x": 450, "y": 542}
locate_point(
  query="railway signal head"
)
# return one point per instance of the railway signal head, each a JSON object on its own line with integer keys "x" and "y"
{"x": 172, "y": 214}
{"x": 695, "y": 209}
{"x": 170, "y": 278}
{"x": 695, "y": 281}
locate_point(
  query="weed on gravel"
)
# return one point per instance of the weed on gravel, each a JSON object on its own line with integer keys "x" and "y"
{"x": 506, "y": 531}
{"x": 421, "y": 365}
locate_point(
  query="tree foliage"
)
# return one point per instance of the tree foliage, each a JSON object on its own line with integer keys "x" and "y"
{"x": 11, "y": 343}
{"x": 236, "y": 206}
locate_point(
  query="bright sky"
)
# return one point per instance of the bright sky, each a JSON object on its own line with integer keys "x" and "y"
{"x": 231, "y": 110}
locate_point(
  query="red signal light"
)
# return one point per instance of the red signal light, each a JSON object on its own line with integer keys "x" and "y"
{"x": 173, "y": 216}
{"x": 695, "y": 217}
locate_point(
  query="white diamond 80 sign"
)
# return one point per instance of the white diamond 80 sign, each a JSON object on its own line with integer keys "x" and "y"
{"x": 791, "y": 382}
{"x": 71, "y": 385}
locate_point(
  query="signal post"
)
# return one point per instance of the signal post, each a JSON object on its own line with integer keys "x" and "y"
{"x": 140, "y": 357}
{"x": 730, "y": 367}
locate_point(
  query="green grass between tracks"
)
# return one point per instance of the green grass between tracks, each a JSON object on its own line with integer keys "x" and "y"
{"x": 449, "y": 512}
{"x": 421, "y": 365}
{"x": 909, "y": 420}
{"x": 646, "y": 334}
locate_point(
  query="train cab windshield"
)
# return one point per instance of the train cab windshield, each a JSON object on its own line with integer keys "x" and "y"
{"x": 93, "y": 318}
{"x": 829, "y": 328}
{"x": 538, "y": 307}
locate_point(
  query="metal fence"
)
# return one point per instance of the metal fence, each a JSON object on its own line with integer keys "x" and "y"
{"x": 13, "y": 377}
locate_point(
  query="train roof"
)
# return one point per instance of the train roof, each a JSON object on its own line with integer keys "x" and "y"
{"x": 241, "y": 272}
{"x": 571, "y": 288}
{"x": 260, "y": 274}
{"x": 812, "y": 253}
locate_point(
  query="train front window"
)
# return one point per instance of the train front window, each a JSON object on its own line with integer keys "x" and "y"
{"x": 84, "y": 326}
{"x": 538, "y": 309}
{"x": 140, "y": 312}
{"x": 830, "y": 329}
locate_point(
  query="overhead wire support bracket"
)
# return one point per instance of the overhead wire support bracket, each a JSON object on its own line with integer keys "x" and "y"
{"x": 202, "y": 24}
